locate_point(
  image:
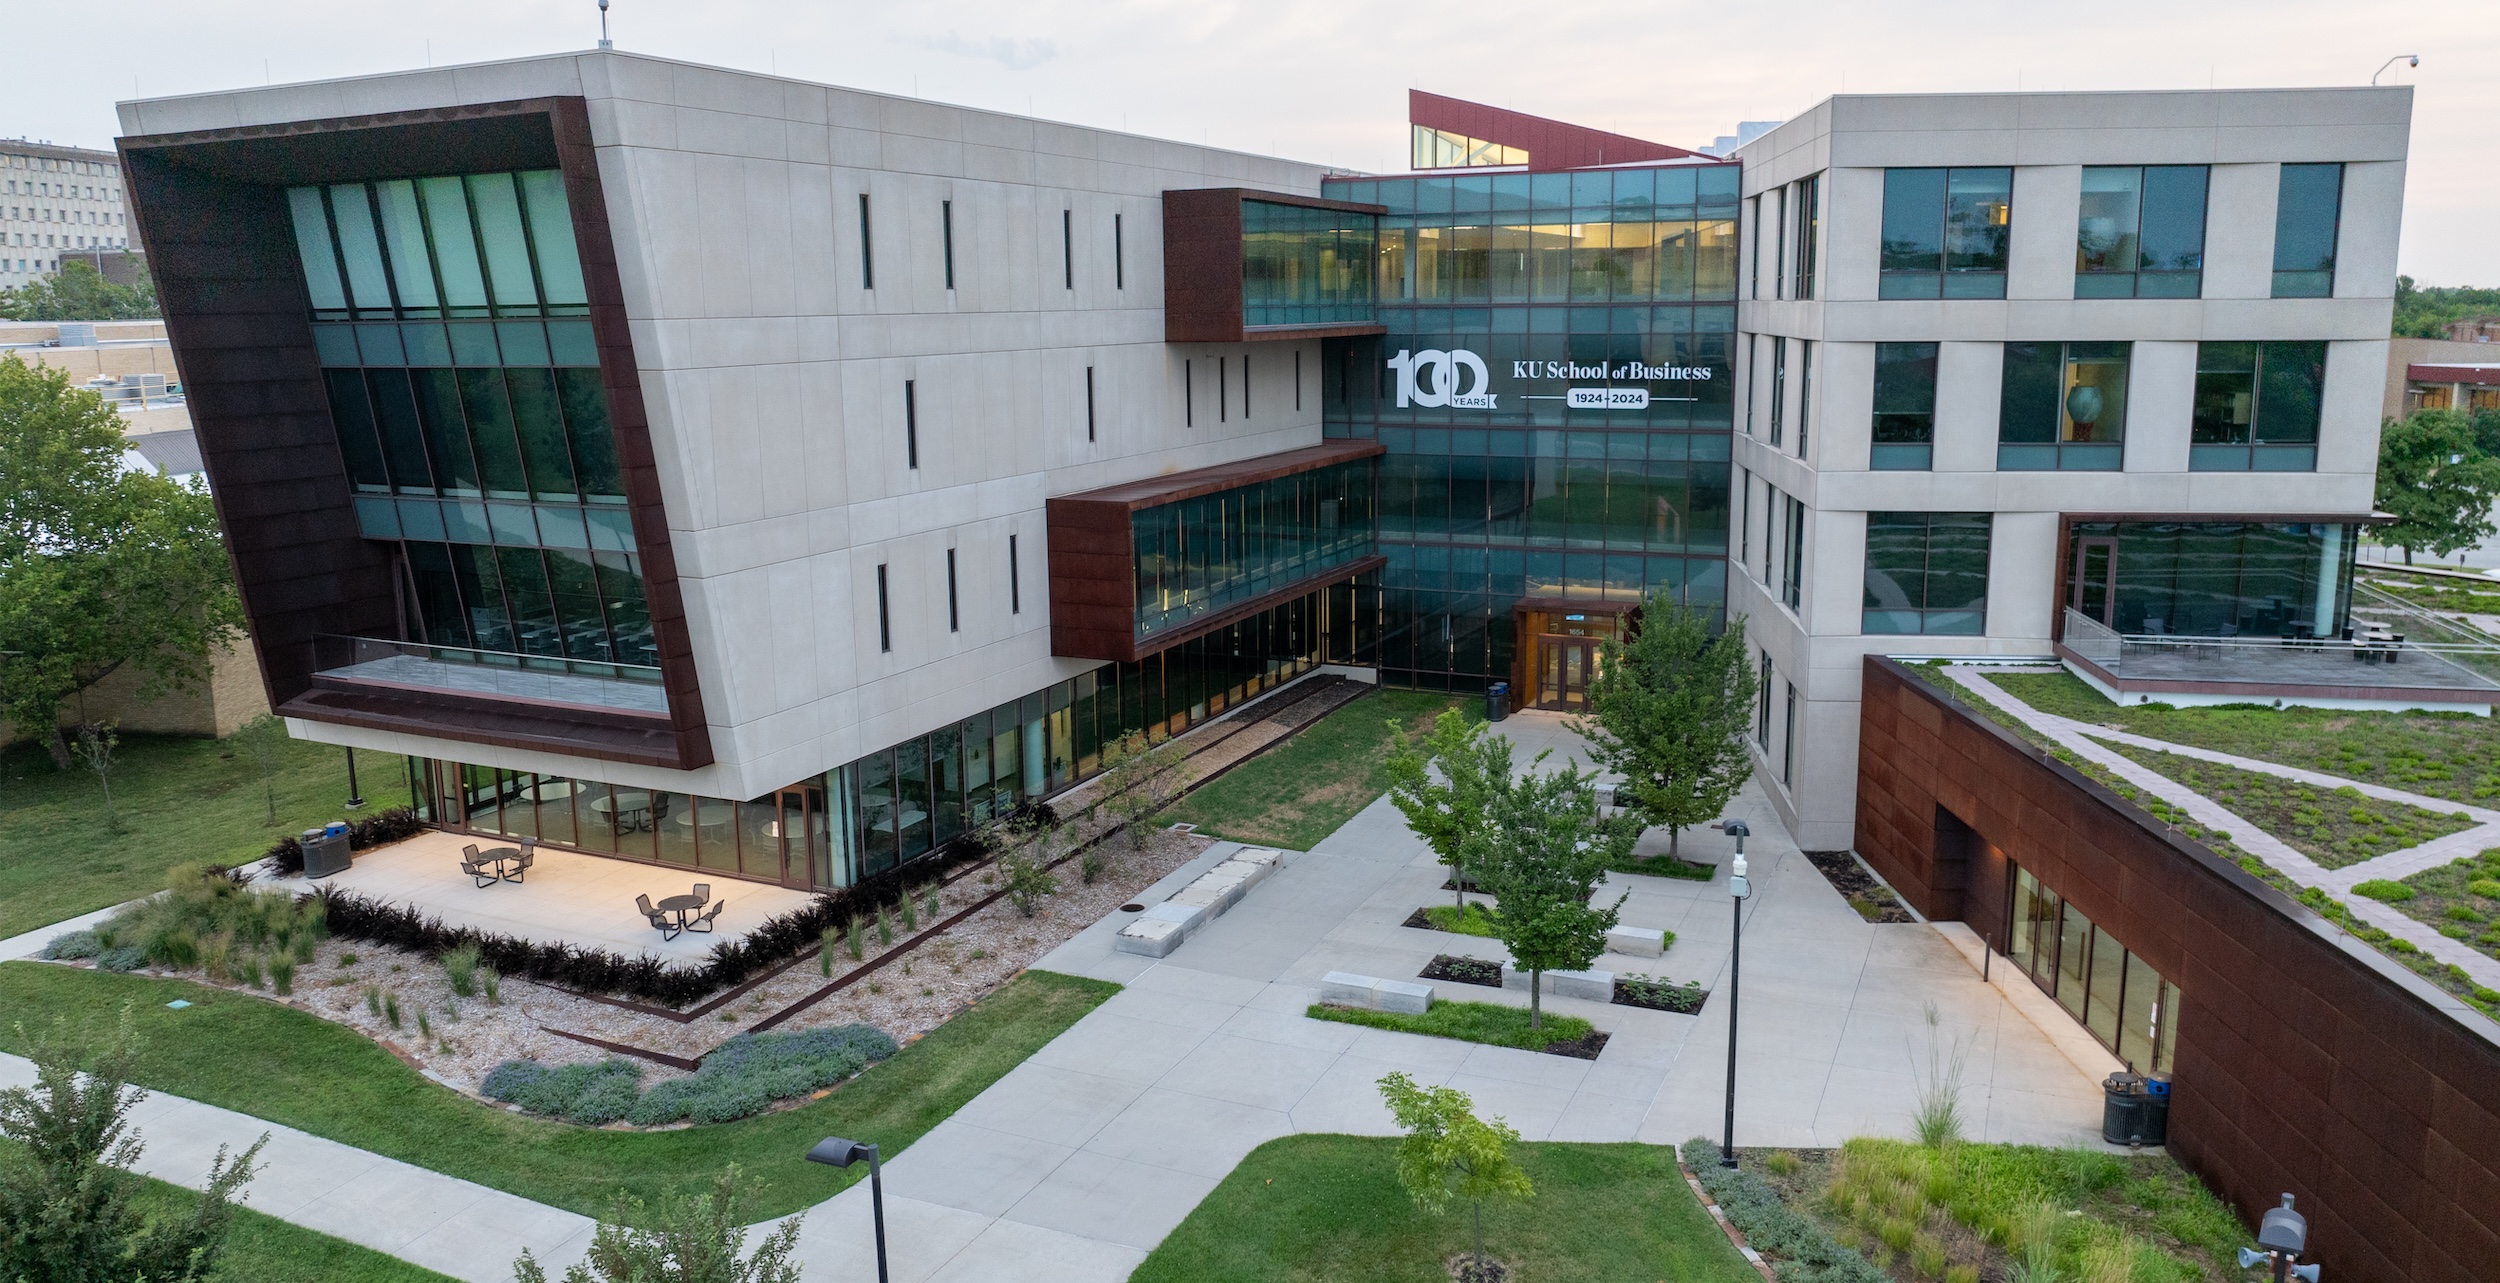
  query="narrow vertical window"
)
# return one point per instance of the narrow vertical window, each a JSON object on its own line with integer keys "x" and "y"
{"x": 1297, "y": 380}
{"x": 1015, "y": 583}
{"x": 1755, "y": 288}
{"x": 946, "y": 226}
{"x": 1223, "y": 391}
{"x": 1788, "y": 738}
{"x": 954, "y": 613}
{"x": 1793, "y": 567}
{"x": 1119, "y": 260}
{"x": 1805, "y": 393}
{"x": 1779, "y": 387}
{"x": 911, "y": 423}
{"x": 1245, "y": 385}
{"x": 2308, "y": 204}
{"x": 1808, "y": 222}
{"x": 1089, "y": 403}
{"x": 1067, "y": 247}
{"x": 867, "y": 254}
{"x": 1762, "y": 705}
{"x": 1744, "y": 517}
{"x": 1189, "y": 393}
{"x": 885, "y": 615}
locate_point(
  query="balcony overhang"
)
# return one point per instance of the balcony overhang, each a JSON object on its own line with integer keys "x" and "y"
{"x": 1204, "y": 292}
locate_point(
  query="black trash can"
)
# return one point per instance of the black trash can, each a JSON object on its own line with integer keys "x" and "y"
{"x": 325, "y": 851}
{"x": 2131, "y": 1115}
{"x": 1497, "y": 701}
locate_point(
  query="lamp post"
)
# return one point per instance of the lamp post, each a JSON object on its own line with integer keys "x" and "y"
{"x": 1737, "y": 890}
{"x": 2281, "y": 1237}
{"x": 833, "y": 1151}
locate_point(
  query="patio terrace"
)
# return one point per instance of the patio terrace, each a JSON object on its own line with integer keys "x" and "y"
{"x": 2379, "y": 670}
{"x": 567, "y": 897}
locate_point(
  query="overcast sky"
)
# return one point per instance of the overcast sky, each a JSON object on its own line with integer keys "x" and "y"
{"x": 1325, "y": 80}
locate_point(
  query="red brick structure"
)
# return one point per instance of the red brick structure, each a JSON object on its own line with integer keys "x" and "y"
{"x": 2306, "y": 1061}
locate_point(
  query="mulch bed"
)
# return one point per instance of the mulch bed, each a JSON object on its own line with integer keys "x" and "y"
{"x": 1580, "y": 1048}
{"x": 1874, "y": 901}
{"x": 1458, "y": 970}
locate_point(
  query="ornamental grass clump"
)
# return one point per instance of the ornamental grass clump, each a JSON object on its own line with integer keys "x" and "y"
{"x": 460, "y": 968}
{"x": 207, "y": 921}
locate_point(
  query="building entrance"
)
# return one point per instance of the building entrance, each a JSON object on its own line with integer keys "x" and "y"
{"x": 806, "y": 833}
{"x": 1559, "y": 648}
{"x": 1564, "y": 666}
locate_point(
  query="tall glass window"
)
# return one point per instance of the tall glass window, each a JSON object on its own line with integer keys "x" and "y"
{"x": 2141, "y": 233}
{"x": 2063, "y": 406}
{"x": 1946, "y": 233}
{"x": 1808, "y": 225}
{"x": 1905, "y": 407}
{"x": 2257, "y": 407}
{"x": 2212, "y": 578}
{"x": 1206, "y": 553}
{"x": 2112, "y": 992}
{"x": 2308, "y": 207}
{"x": 1445, "y": 149}
{"x": 1926, "y": 572}
{"x": 1302, "y": 265}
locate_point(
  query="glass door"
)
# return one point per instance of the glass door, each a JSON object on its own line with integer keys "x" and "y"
{"x": 806, "y": 840}
{"x": 2095, "y": 591}
{"x": 1564, "y": 666}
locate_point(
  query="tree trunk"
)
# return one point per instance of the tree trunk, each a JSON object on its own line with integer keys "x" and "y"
{"x": 2408, "y": 554}
{"x": 1536, "y": 1000}
{"x": 58, "y": 747}
{"x": 1458, "y": 885}
{"x": 1479, "y": 1238}
{"x": 1675, "y": 835}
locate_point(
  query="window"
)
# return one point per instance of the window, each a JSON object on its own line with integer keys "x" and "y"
{"x": 2063, "y": 406}
{"x": 1744, "y": 517}
{"x": 946, "y": 226}
{"x": 1772, "y": 520}
{"x": 1793, "y": 565}
{"x": 1245, "y": 385}
{"x": 2308, "y": 204}
{"x": 1223, "y": 390}
{"x": 1442, "y": 149}
{"x": 911, "y": 423}
{"x": 1089, "y": 403}
{"x": 1297, "y": 380}
{"x": 1926, "y": 572}
{"x": 1119, "y": 256}
{"x": 1805, "y": 393}
{"x": 1788, "y": 737}
{"x": 954, "y": 614}
{"x": 2256, "y": 407}
{"x": 867, "y": 256}
{"x": 2114, "y": 993}
{"x": 1808, "y": 226}
{"x": 1759, "y": 232}
{"x": 2141, "y": 232}
{"x": 1779, "y": 386}
{"x": 1015, "y": 584}
{"x": 1189, "y": 393}
{"x": 1945, "y": 232}
{"x": 1067, "y": 248}
{"x": 1779, "y": 243}
{"x": 885, "y": 614}
{"x": 1905, "y": 407}
{"x": 1762, "y": 705}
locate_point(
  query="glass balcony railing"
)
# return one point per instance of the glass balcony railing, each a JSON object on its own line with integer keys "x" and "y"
{"x": 461, "y": 670}
{"x": 2374, "y": 655}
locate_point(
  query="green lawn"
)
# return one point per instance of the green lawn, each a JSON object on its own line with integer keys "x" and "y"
{"x": 2461, "y": 899}
{"x": 2447, "y": 755}
{"x": 1666, "y": 866}
{"x": 2334, "y": 827}
{"x": 284, "y": 1065}
{"x": 1307, "y": 1208}
{"x": 181, "y": 801}
{"x": 264, "y": 1249}
{"x": 1301, "y": 791}
{"x": 1492, "y": 1023}
{"x": 1474, "y": 920}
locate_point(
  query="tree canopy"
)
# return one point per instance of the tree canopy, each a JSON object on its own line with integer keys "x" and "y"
{"x": 100, "y": 567}
{"x": 1449, "y": 1152}
{"x": 1444, "y": 783}
{"x": 1542, "y": 853}
{"x": 75, "y": 291}
{"x": 2437, "y": 481}
{"x": 1668, "y": 709}
{"x": 2423, "y": 312}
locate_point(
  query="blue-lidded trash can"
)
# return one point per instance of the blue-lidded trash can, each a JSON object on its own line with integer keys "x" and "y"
{"x": 325, "y": 852}
{"x": 1497, "y": 701}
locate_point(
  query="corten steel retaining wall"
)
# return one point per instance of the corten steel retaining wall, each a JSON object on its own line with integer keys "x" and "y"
{"x": 2306, "y": 1061}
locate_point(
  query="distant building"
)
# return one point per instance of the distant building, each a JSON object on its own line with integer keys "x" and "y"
{"x": 56, "y": 199}
{"x": 2443, "y": 374}
{"x": 2474, "y": 329}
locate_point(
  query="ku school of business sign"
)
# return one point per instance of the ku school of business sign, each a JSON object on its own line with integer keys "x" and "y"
{"x": 1458, "y": 380}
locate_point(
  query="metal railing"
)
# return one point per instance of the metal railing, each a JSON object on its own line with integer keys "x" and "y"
{"x": 332, "y": 652}
{"x": 2383, "y": 656}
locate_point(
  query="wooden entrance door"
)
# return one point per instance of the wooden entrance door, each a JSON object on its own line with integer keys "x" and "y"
{"x": 1564, "y": 666}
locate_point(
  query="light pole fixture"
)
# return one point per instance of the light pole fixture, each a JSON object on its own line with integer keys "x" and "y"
{"x": 833, "y": 1151}
{"x": 2408, "y": 59}
{"x": 355, "y": 799}
{"x": 2281, "y": 1237}
{"x": 1737, "y": 890}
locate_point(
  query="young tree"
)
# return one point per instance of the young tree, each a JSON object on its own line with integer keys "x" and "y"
{"x": 1542, "y": 855}
{"x": 692, "y": 1240}
{"x": 1668, "y": 712}
{"x": 2437, "y": 481}
{"x": 94, "y": 749}
{"x": 1448, "y": 1151}
{"x": 100, "y": 568}
{"x": 1138, "y": 781}
{"x": 264, "y": 738}
{"x": 1443, "y": 782}
{"x": 65, "y": 1182}
{"x": 76, "y": 291}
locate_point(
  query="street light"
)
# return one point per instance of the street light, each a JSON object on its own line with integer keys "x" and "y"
{"x": 2408, "y": 59}
{"x": 2281, "y": 1237}
{"x": 833, "y": 1151}
{"x": 1737, "y": 890}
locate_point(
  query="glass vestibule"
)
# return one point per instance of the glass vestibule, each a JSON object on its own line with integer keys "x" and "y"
{"x": 2110, "y": 991}
{"x": 2213, "y": 578}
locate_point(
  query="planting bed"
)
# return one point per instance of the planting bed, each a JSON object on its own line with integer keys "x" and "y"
{"x": 1465, "y": 971}
{"x": 2460, "y": 898}
{"x": 1667, "y": 866}
{"x": 2334, "y": 827}
{"x": 1475, "y": 920}
{"x": 1874, "y": 901}
{"x": 1491, "y": 1023}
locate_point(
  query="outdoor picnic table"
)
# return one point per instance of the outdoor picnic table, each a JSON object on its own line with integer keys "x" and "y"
{"x": 681, "y": 905}
{"x": 498, "y": 857}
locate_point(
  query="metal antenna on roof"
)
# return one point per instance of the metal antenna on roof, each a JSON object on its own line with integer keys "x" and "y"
{"x": 604, "y": 42}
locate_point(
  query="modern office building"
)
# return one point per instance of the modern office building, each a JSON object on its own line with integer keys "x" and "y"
{"x": 54, "y": 199}
{"x": 709, "y": 468}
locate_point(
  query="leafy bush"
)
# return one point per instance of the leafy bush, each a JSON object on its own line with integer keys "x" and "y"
{"x": 72, "y": 945}
{"x": 1803, "y": 1252}
{"x": 1027, "y": 882}
{"x": 740, "y": 1078}
{"x": 2382, "y": 890}
{"x": 209, "y": 921}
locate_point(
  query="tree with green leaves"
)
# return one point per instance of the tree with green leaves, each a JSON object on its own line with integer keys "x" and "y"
{"x": 1443, "y": 781}
{"x": 76, "y": 291}
{"x": 1542, "y": 852}
{"x": 1449, "y": 1152}
{"x": 264, "y": 738}
{"x": 701, "y": 1239}
{"x": 65, "y": 1180}
{"x": 1138, "y": 781}
{"x": 1668, "y": 709}
{"x": 2437, "y": 481}
{"x": 101, "y": 568}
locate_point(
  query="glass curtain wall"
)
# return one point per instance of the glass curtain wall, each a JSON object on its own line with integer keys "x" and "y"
{"x": 1209, "y": 552}
{"x": 2214, "y": 578}
{"x": 2110, "y": 991}
{"x": 2063, "y": 406}
{"x": 1302, "y": 265}
{"x": 1575, "y": 443}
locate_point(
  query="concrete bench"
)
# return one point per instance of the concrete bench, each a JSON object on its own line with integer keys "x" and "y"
{"x": 1594, "y": 986}
{"x": 1250, "y": 874}
{"x": 1161, "y": 929}
{"x": 1637, "y": 942}
{"x": 1345, "y": 989}
{"x": 1150, "y": 937}
{"x": 1189, "y": 917}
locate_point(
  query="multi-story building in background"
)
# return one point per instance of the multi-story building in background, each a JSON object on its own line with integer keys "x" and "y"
{"x": 54, "y": 199}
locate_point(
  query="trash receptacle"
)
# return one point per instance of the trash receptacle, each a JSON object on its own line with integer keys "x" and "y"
{"x": 2127, "y": 1111}
{"x": 2156, "y": 1109}
{"x": 1497, "y": 701}
{"x": 325, "y": 852}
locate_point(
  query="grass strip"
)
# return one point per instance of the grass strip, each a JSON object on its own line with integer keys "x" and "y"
{"x": 263, "y": 1249}
{"x": 2459, "y": 899}
{"x": 2334, "y": 827}
{"x": 1666, "y": 866}
{"x": 1492, "y": 1023}
{"x": 1304, "y": 789}
{"x": 1329, "y": 1207}
{"x": 277, "y": 1063}
{"x": 1475, "y": 920}
{"x": 179, "y": 800}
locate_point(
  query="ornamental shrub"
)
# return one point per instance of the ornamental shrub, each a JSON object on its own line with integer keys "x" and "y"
{"x": 71, "y": 945}
{"x": 1802, "y": 1252}
{"x": 2382, "y": 890}
{"x": 741, "y": 1077}
{"x": 2487, "y": 888}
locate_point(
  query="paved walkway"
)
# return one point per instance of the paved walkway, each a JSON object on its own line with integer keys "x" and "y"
{"x": 2084, "y": 740}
